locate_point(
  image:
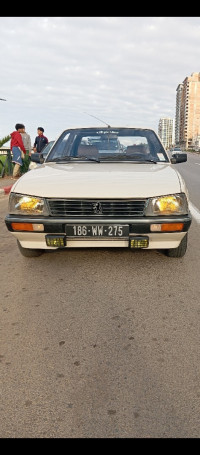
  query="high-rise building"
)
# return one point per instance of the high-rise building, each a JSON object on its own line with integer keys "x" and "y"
{"x": 187, "y": 122}
{"x": 179, "y": 102}
{"x": 165, "y": 131}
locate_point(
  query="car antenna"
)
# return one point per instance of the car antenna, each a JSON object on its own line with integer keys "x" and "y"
{"x": 97, "y": 119}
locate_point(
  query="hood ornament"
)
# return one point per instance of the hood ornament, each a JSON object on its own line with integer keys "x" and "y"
{"x": 97, "y": 208}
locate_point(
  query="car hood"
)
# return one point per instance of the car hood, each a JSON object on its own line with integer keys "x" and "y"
{"x": 100, "y": 180}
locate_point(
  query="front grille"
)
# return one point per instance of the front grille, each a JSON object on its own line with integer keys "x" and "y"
{"x": 96, "y": 207}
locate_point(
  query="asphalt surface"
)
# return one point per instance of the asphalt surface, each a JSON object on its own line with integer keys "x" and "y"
{"x": 101, "y": 343}
{"x": 5, "y": 185}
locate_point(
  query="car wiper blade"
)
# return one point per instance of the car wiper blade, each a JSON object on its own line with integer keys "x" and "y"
{"x": 107, "y": 158}
{"x": 114, "y": 156}
{"x": 141, "y": 159}
{"x": 149, "y": 161}
{"x": 74, "y": 158}
{"x": 87, "y": 158}
{"x": 128, "y": 158}
{"x": 61, "y": 158}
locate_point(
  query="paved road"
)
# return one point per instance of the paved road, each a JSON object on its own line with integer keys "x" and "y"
{"x": 99, "y": 343}
{"x": 191, "y": 174}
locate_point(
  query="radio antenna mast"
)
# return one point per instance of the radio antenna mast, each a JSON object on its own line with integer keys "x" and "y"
{"x": 97, "y": 119}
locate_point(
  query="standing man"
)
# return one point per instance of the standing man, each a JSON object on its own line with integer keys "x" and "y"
{"x": 27, "y": 144}
{"x": 40, "y": 140}
{"x": 17, "y": 148}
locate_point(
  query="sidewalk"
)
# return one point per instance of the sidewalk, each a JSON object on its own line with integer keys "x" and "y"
{"x": 5, "y": 185}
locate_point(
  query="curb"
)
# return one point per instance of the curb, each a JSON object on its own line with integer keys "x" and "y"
{"x": 5, "y": 190}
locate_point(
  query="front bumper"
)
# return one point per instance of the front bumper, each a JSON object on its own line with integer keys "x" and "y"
{"x": 137, "y": 227}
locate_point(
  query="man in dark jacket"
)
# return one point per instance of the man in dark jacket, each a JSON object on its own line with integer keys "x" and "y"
{"x": 40, "y": 140}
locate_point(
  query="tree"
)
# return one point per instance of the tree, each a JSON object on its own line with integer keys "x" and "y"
{"x": 4, "y": 140}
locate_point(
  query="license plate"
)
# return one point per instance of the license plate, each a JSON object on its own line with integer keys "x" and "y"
{"x": 97, "y": 230}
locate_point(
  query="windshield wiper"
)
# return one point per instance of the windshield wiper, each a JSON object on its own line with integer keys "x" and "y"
{"x": 74, "y": 158}
{"x": 61, "y": 158}
{"x": 87, "y": 158}
{"x": 141, "y": 159}
{"x": 149, "y": 161}
{"x": 110, "y": 157}
{"x": 113, "y": 156}
{"x": 128, "y": 158}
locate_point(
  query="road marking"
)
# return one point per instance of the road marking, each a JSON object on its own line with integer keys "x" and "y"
{"x": 197, "y": 163}
{"x": 195, "y": 212}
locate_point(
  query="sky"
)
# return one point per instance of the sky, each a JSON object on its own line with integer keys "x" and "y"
{"x": 64, "y": 72}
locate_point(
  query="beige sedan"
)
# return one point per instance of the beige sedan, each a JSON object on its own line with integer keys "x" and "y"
{"x": 102, "y": 187}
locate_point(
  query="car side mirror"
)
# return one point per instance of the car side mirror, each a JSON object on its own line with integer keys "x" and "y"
{"x": 41, "y": 158}
{"x": 178, "y": 158}
{"x": 35, "y": 157}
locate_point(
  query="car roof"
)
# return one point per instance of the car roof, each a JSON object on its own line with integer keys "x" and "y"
{"x": 107, "y": 128}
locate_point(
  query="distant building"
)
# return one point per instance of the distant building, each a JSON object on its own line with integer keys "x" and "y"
{"x": 179, "y": 103}
{"x": 187, "y": 121}
{"x": 197, "y": 143}
{"x": 165, "y": 131}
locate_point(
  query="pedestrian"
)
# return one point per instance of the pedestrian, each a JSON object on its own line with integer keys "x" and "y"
{"x": 18, "y": 150}
{"x": 27, "y": 144}
{"x": 40, "y": 140}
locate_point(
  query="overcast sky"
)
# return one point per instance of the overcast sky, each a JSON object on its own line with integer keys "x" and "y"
{"x": 123, "y": 70}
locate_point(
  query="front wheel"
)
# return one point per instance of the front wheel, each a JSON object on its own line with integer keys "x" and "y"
{"x": 180, "y": 251}
{"x": 29, "y": 252}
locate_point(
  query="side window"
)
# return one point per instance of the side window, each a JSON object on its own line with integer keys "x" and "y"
{"x": 60, "y": 149}
{"x": 156, "y": 147}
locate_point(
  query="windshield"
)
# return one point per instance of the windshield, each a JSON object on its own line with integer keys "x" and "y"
{"x": 108, "y": 144}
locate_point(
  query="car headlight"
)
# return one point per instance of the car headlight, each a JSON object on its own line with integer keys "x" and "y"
{"x": 171, "y": 204}
{"x": 22, "y": 204}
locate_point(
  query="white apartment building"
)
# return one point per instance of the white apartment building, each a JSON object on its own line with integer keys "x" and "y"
{"x": 165, "y": 131}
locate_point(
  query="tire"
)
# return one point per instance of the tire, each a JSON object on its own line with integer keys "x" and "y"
{"x": 29, "y": 252}
{"x": 180, "y": 251}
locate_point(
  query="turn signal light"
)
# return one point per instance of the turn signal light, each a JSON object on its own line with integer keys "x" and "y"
{"x": 22, "y": 226}
{"x": 27, "y": 227}
{"x": 166, "y": 227}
